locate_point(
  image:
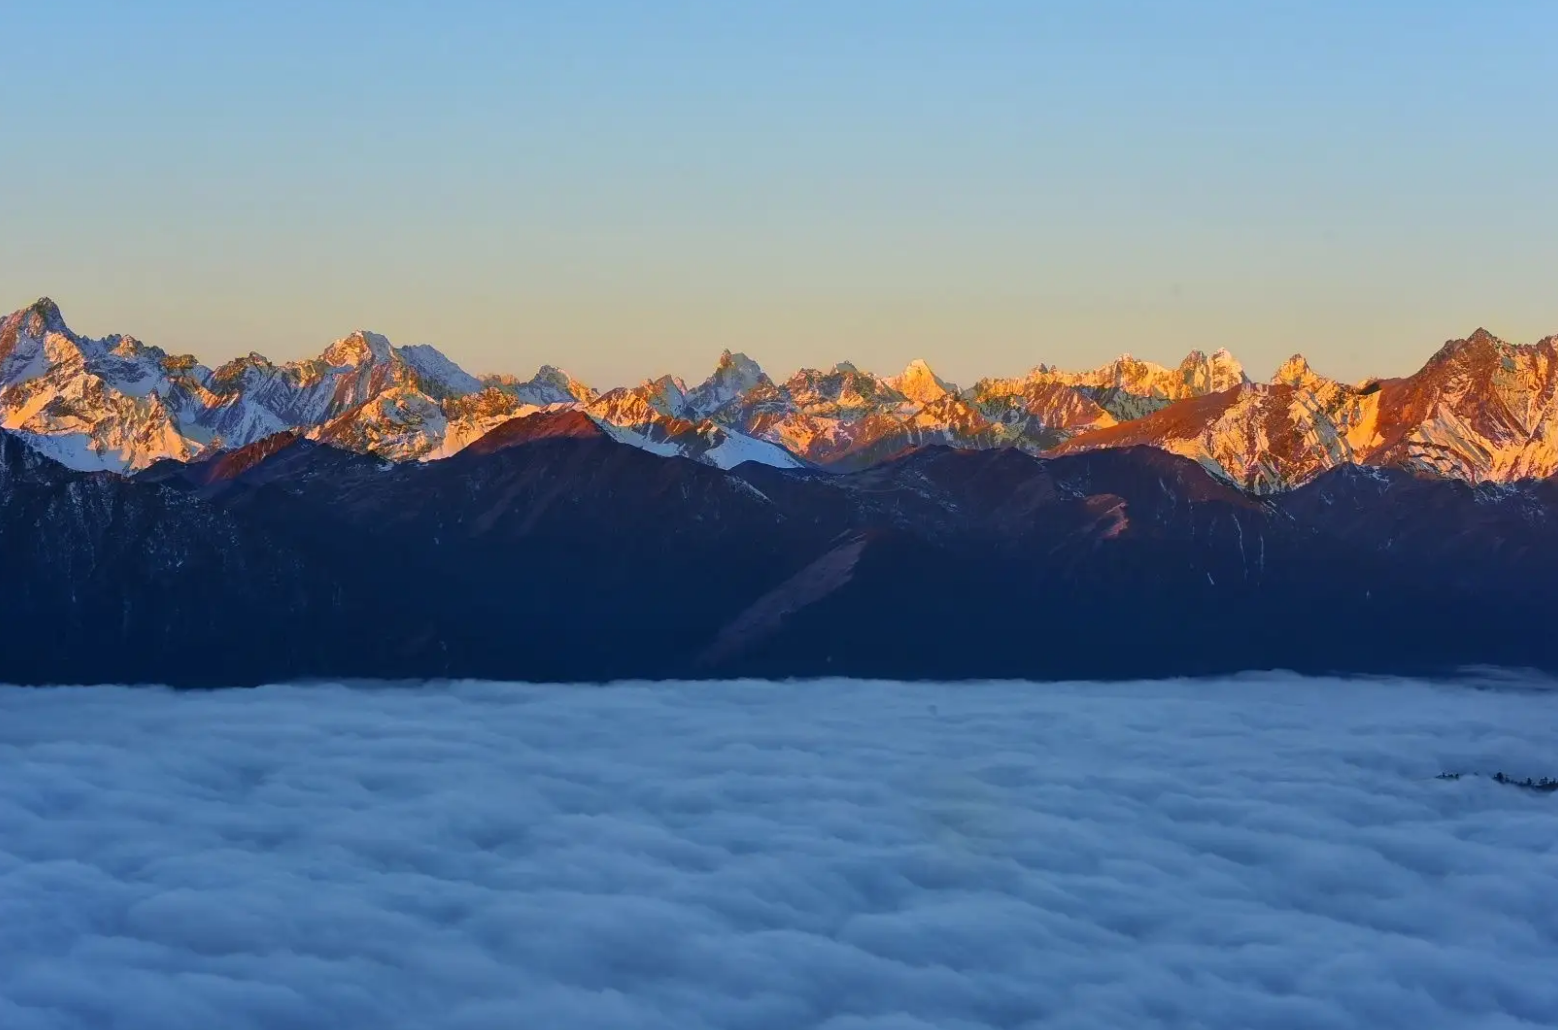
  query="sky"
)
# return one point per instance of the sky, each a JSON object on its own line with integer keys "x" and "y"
{"x": 1266, "y": 851}
{"x": 626, "y": 189}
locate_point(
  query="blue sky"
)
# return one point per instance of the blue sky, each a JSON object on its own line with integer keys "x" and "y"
{"x": 629, "y": 188}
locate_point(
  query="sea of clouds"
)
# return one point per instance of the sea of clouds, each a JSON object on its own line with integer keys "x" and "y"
{"x": 1267, "y": 851}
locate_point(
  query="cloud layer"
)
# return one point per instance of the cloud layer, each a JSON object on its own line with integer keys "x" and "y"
{"x": 1265, "y": 851}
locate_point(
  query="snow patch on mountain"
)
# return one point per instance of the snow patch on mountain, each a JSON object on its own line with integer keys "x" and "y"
{"x": 735, "y": 448}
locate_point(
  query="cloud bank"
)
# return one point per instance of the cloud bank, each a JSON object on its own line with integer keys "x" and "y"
{"x": 1265, "y": 851}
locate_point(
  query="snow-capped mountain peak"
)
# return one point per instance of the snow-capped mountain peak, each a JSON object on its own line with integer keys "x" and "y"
{"x": 437, "y": 371}
{"x": 551, "y": 385}
{"x": 43, "y": 315}
{"x": 735, "y": 375}
{"x": 667, "y": 395}
{"x": 919, "y": 384}
{"x": 1214, "y": 374}
{"x": 737, "y": 364}
{"x": 25, "y": 337}
{"x": 1296, "y": 371}
{"x": 360, "y": 348}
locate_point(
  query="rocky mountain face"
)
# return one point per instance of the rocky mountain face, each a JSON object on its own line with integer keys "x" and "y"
{"x": 116, "y": 404}
{"x": 549, "y": 550}
{"x": 1481, "y": 410}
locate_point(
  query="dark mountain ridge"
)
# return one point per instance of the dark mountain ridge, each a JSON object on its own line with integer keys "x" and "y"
{"x": 552, "y": 552}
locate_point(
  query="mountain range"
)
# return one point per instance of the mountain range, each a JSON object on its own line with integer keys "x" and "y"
{"x": 1481, "y": 410}
{"x": 164, "y": 522}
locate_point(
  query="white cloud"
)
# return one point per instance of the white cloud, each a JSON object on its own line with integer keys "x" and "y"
{"x": 1260, "y": 852}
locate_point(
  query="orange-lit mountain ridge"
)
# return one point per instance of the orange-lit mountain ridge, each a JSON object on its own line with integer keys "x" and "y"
{"x": 1480, "y": 410}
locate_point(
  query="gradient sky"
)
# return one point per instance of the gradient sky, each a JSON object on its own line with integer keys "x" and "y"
{"x": 625, "y": 188}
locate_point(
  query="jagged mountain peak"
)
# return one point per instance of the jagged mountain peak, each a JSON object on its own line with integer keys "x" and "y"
{"x": 436, "y": 371}
{"x": 551, "y": 375}
{"x": 1477, "y": 347}
{"x": 360, "y": 347}
{"x": 736, "y": 361}
{"x": 45, "y": 311}
{"x": 234, "y": 369}
{"x": 1212, "y": 373}
{"x": 650, "y": 400}
{"x": 736, "y": 371}
{"x": 735, "y": 375}
{"x": 35, "y": 322}
{"x": 1296, "y": 371}
{"x": 668, "y": 394}
{"x": 37, "y": 319}
{"x": 667, "y": 382}
{"x": 548, "y": 387}
{"x": 921, "y": 385}
{"x": 129, "y": 347}
{"x": 1127, "y": 360}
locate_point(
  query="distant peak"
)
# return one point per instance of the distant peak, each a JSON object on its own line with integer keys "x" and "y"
{"x": 436, "y": 371}
{"x": 425, "y": 349}
{"x": 46, "y": 307}
{"x": 1221, "y": 357}
{"x": 666, "y": 394}
{"x": 1221, "y": 371}
{"x": 553, "y": 375}
{"x": 1479, "y": 339}
{"x": 845, "y": 366}
{"x": 1296, "y": 371}
{"x": 1128, "y": 363}
{"x": 919, "y": 384}
{"x": 44, "y": 314}
{"x": 734, "y": 376}
{"x": 359, "y": 348}
{"x": 737, "y": 363}
{"x": 552, "y": 385}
